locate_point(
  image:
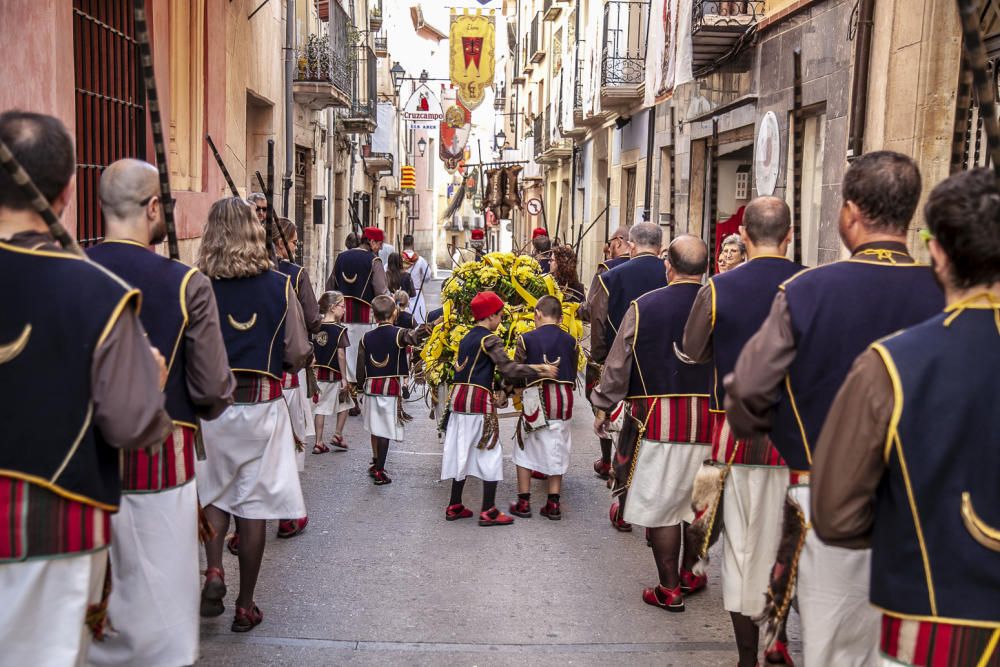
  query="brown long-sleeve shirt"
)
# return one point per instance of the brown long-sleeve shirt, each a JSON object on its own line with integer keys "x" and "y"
{"x": 210, "y": 383}
{"x": 509, "y": 369}
{"x": 697, "y": 343}
{"x": 849, "y": 461}
{"x": 613, "y": 386}
{"x": 298, "y": 349}
{"x": 597, "y": 309}
{"x": 753, "y": 388}
{"x": 124, "y": 378}
{"x": 307, "y": 299}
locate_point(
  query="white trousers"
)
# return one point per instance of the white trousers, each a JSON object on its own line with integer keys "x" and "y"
{"x": 753, "y": 502}
{"x": 662, "y": 482}
{"x": 462, "y": 457}
{"x": 155, "y": 582}
{"x": 839, "y": 626}
{"x": 381, "y": 419}
{"x": 44, "y": 604}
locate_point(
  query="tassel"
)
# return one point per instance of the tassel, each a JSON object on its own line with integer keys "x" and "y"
{"x": 705, "y": 500}
{"x": 784, "y": 574}
{"x": 97, "y": 614}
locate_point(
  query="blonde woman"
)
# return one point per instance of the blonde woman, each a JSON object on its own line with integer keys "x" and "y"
{"x": 250, "y": 471}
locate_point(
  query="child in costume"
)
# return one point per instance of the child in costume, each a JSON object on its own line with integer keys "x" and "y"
{"x": 472, "y": 432}
{"x": 404, "y": 318}
{"x": 330, "y": 345}
{"x": 544, "y": 436}
{"x": 382, "y": 369}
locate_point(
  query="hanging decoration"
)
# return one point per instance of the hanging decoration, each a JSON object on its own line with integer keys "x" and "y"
{"x": 472, "y": 55}
{"x": 407, "y": 178}
{"x": 455, "y": 129}
{"x": 423, "y": 110}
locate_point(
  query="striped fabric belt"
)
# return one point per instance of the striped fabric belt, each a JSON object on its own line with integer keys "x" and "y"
{"x": 471, "y": 399}
{"x": 168, "y": 467}
{"x": 38, "y": 523}
{"x": 390, "y": 386}
{"x": 289, "y": 380}
{"x": 679, "y": 419}
{"x": 324, "y": 374}
{"x": 798, "y": 478}
{"x": 357, "y": 311}
{"x": 254, "y": 388}
{"x": 558, "y": 400}
{"x": 727, "y": 448}
{"x": 930, "y": 644}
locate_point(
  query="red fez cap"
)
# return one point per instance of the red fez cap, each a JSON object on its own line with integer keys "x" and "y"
{"x": 485, "y": 304}
{"x": 374, "y": 234}
{"x": 478, "y": 235}
{"x": 409, "y": 257}
{"x": 539, "y": 231}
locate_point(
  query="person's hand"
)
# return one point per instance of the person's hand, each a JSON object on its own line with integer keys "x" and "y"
{"x": 549, "y": 371}
{"x": 161, "y": 365}
{"x": 601, "y": 425}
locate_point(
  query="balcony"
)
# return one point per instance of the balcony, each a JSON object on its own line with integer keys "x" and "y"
{"x": 552, "y": 9}
{"x": 360, "y": 118}
{"x": 579, "y": 129}
{"x": 536, "y": 47}
{"x": 623, "y": 58}
{"x": 538, "y": 135}
{"x": 380, "y": 43}
{"x": 322, "y": 77}
{"x": 717, "y": 26}
{"x": 527, "y": 64}
{"x": 552, "y": 150}
{"x": 376, "y": 163}
{"x": 414, "y": 207}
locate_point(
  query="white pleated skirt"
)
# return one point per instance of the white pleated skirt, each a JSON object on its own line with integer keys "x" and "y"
{"x": 381, "y": 419}
{"x": 250, "y": 470}
{"x": 660, "y": 494}
{"x": 546, "y": 450}
{"x": 329, "y": 400}
{"x": 462, "y": 457}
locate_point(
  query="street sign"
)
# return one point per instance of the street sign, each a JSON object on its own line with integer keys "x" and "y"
{"x": 423, "y": 109}
{"x": 534, "y": 206}
{"x": 767, "y": 155}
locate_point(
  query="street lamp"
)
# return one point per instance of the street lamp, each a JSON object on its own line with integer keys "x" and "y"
{"x": 424, "y": 76}
{"x": 500, "y": 140}
{"x": 422, "y": 146}
{"x": 397, "y": 72}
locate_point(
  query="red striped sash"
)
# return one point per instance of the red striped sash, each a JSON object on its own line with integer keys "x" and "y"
{"x": 254, "y": 388}
{"x": 930, "y": 644}
{"x": 747, "y": 452}
{"x": 324, "y": 374}
{"x": 38, "y": 523}
{"x": 289, "y": 380}
{"x": 558, "y": 400}
{"x": 357, "y": 311}
{"x": 383, "y": 386}
{"x": 170, "y": 466}
{"x": 679, "y": 419}
{"x": 471, "y": 399}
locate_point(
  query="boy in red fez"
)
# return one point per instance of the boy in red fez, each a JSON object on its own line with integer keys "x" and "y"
{"x": 471, "y": 443}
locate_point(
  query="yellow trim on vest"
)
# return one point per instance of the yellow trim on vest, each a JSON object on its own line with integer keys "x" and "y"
{"x": 600, "y": 281}
{"x": 938, "y": 619}
{"x": 768, "y": 256}
{"x": 116, "y": 313}
{"x": 270, "y": 349}
{"x": 916, "y": 524}
{"x": 58, "y": 490}
{"x": 184, "y": 312}
{"x": 670, "y": 396}
{"x": 256, "y": 372}
{"x": 638, "y": 366}
{"x": 126, "y": 242}
{"x": 897, "y": 392}
{"x": 981, "y": 532}
{"x": 798, "y": 418}
{"x": 990, "y": 649}
{"x": 10, "y": 351}
{"x": 177, "y": 422}
{"x": 44, "y": 253}
{"x": 76, "y": 443}
{"x": 711, "y": 284}
{"x": 685, "y": 282}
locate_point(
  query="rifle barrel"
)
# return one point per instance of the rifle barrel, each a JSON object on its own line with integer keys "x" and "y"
{"x": 222, "y": 166}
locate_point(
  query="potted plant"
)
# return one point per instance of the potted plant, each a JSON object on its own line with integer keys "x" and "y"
{"x": 375, "y": 19}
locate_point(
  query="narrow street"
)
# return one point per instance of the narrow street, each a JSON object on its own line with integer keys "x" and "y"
{"x": 379, "y": 577}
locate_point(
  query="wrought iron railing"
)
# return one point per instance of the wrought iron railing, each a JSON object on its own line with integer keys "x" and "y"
{"x": 535, "y": 41}
{"x": 414, "y": 206}
{"x": 381, "y": 43}
{"x": 538, "y": 132}
{"x": 623, "y": 60}
{"x": 578, "y": 84}
{"x": 364, "y": 90}
{"x": 726, "y": 13}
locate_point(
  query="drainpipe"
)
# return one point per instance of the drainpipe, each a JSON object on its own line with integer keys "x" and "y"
{"x": 286, "y": 184}
{"x": 859, "y": 89}
{"x": 647, "y": 209}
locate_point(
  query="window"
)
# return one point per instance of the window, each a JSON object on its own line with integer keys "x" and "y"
{"x": 814, "y": 137}
{"x": 110, "y": 116}
{"x": 187, "y": 93}
{"x": 743, "y": 182}
{"x": 628, "y": 197}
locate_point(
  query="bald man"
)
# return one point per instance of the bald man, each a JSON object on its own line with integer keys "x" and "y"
{"x": 154, "y": 548}
{"x": 667, "y": 430}
{"x": 726, "y": 313}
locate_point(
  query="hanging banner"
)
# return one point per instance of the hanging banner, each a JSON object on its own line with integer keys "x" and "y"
{"x": 594, "y": 66}
{"x": 407, "y": 177}
{"x": 472, "y": 55}
{"x": 422, "y": 110}
{"x": 455, "y": 129}
{"x": 569, "y": 87}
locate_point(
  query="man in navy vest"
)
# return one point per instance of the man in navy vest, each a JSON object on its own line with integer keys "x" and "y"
{"x": 727, "y": 311}
{"x": 157, "y": 577}
{"x": 79, "y": 383}
{"x": 908, "y": 458}
{"x": 610, "y": 300}
{"x": 360, "y": 276}
{"x": 668, "y": 431}
{"x": 787, "y": 375}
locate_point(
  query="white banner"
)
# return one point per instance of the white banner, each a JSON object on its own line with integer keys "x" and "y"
{"x": 568, "y": 86}
{"x": 594, "y": 65}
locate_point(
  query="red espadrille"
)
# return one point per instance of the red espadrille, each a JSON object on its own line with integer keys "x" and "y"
{"x": 494, "y": 517}
{"x": 602, "y": 469}
{"x": 778, "y": 655}
{"x": 692, "y": 583}
{"x": 456, "y": 512}
{"x": 292, "y": 527}
{"x": 521, "y": 508}
{"x": 213, "y": 592}
{"x": 617, "y": 522}
{"x": 670, "y": 599}
{"x": 551, "y": 511}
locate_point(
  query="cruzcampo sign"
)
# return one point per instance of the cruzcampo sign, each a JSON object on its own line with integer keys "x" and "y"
{"x": 423, "y": 110}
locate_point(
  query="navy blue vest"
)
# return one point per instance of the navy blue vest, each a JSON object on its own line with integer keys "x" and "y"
{"x": 404, "y": 320}
{"x": 472, "y": 364}
{"x": 656, "y": 370}
{"x": 55, "y": 313}
{"x": 252, "y": 313}
{"x": 549, "y": 344}
{"x": 837, "y": 311}
{"x": 353, "y": 270}
{"x": 385, "y": 352}
{"x": 627, "y": 282}
{"x": 946, "y": 378}
{"x": 292, "y": 270}
{"x": 163, "y": 283}
{"x": 609, "y": 264}
{"x": 329, "y": 334}
{"x": 742, "y": 300}
{"x": 546, "y": 265}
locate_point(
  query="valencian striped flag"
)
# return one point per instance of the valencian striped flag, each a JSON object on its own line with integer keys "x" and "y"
{"x": 408, "y": 178}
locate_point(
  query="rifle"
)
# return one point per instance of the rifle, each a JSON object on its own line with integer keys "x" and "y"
{"x": 153, "y": 102}
{"x": 975, "y": 54}
{"x": 579, "y": 238}
{"x": 558, "y": 220}
{"x": 222, "y": 166}
{"x": 269, "y": 194}
{"x": 38, "y": 200}
{"x": 281, "y": 233}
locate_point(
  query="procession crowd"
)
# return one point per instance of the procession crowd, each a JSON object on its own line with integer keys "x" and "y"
{"x": 832, "y": 427}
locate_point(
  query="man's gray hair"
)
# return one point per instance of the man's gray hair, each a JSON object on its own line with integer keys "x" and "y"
{"x": 736, "y": 240}
{"x": 646, "y": 235}
{"x": 256, "y": 196}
